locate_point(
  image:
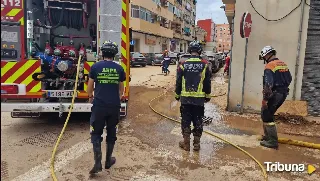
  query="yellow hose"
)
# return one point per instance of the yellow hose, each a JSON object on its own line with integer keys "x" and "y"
{"x": 297, "y": 143}
{"x": 53, "y": 175}
{"x": 264, "y": 173}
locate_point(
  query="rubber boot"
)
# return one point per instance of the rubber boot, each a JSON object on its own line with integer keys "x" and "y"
{"x": 272, "y": 142}
{"x": 97, "y": 158}
{"x": 185, "y": 144}
{"x": 196, "y": 143}
{"x": 265, "y": 137}
{"x": 109, "y": 159}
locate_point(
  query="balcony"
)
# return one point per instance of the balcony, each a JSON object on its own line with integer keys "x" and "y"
{"x": 229, "y": 10}
{"x": 229, "y": 1}
{"x": 150, "y": 28}
{"x": 151, "y": 6}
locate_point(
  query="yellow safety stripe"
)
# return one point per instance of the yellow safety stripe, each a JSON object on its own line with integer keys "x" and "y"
{"x": 192, "y": 94}
{"x": 208, "y": 95}
{"x": 181, "y": 67}
{"x": 193, "y": 60}
{"x": 203, "y": 74}
{"x": 279, "y": 68}
{"x": 270, "y": 124}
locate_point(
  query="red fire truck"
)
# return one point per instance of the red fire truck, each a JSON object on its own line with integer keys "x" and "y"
{"x": 41, "y": 42}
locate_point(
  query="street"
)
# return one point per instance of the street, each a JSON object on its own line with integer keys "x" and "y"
{"x": 147, "y": 146}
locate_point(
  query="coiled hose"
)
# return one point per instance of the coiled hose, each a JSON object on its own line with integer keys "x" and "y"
{"x": 53, "y": 175}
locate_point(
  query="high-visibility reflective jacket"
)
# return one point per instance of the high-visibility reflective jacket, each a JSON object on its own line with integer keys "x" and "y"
{"x": 193, "y": 82}
{"x": 277, "y": 77}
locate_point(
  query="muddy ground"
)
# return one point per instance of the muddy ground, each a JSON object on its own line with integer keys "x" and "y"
{"x": 147, "y": 146}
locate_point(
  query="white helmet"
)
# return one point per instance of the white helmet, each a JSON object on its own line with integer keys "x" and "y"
{"x": 266, "y": 50}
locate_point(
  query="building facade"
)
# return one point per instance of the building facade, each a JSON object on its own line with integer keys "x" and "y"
{"x": 159, "y": 25}
{"x": 299, "y": 48}
{"x": 201, "y": 34}
{"x": 223, "y": 38}
{"x": 209, "y": 26}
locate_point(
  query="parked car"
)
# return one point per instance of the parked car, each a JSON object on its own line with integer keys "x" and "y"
{"x": 214, "y": 59}
{"x": 222, "y": 59}
{"x": 173, "y": 57}
{"x": 157, "y": 59}
{"x": 137, "y": 58}
{"x": 149, "y": 57}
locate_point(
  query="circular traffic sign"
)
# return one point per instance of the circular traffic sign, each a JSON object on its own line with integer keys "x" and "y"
{"x": 245, "y": 25}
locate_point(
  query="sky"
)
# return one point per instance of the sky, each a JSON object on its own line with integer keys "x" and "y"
{"x": 207, "y": 9}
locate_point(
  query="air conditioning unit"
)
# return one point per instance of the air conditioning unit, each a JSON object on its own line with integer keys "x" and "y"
{"x": 167, "y": 3}
{"x": 158, "y": 18}
{"x": 166, "y": 25}
{"x": 159, "y": 5}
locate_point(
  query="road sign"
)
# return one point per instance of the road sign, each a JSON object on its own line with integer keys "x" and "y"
{"x": 245, "y": 25}
{"x": 132, "y": 42}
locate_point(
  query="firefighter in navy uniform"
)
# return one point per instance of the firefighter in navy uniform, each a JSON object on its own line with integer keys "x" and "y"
{"x": 108, "y": 77}
{"x": 193, "y": 88}
{"x": 276, "y": 81}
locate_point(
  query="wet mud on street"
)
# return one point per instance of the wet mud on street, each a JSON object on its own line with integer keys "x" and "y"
{"x": 147, "y": 146}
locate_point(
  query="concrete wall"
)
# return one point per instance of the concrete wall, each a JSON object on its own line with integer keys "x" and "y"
{"x": 282, "y": 35}
{"x": 311, "y": 78}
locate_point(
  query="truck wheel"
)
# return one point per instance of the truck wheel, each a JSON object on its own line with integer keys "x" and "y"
{"x": 144, "y": 65}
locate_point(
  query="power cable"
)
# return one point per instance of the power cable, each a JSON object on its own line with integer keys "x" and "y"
{"x": 279, "y": 18}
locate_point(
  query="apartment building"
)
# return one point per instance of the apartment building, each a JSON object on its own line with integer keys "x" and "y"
{"x": 201, "y": 34}
{"x": 159, "y": 25}
{"x": 209, "y": 26}
{"x": 223, "y": 37}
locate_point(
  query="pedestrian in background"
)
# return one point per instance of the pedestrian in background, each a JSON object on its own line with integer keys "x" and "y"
{"x": 106, "y": 79}
{"x": 166, "y": 62}
{"x": 226, "y": 68}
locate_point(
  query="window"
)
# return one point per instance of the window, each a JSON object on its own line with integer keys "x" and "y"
{"x": 148, "y": 16}
{"x": 135, "y": 11}
{"x": 219, "y": 45}
{"x": 143, "y": 13}
{"x": 220, "y": 29}
{"x": 171, "y": 8}
{"x": 156, "y": 1}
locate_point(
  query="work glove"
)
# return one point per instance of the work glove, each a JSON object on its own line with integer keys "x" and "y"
{"x": 177, "y": 97}
{"x": 264, "y": 104}
{"x": 207, "y": 99}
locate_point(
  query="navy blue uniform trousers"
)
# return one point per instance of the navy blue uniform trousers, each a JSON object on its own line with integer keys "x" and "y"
{"x": 101, "y": 117}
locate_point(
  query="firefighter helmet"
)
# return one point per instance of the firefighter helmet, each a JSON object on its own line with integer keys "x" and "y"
{"x": 194, "y": 46}
{"x": 109, "y": 49}
{"x": 266, "y": 50}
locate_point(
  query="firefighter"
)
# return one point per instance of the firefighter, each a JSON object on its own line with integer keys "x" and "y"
{"x": 166, "y": 62}
{"x": 276, "y": 81}
{"x": 108, "y": 77}
{"x": 193, "y": 88}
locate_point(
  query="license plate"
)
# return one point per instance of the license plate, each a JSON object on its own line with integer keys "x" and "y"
{"x": 140, "y": 59}
{"x": 25, "y": 114}
{"x": 60, "y": 93}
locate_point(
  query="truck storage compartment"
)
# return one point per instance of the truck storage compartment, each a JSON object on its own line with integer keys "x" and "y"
{"x": 63, "y": 30}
